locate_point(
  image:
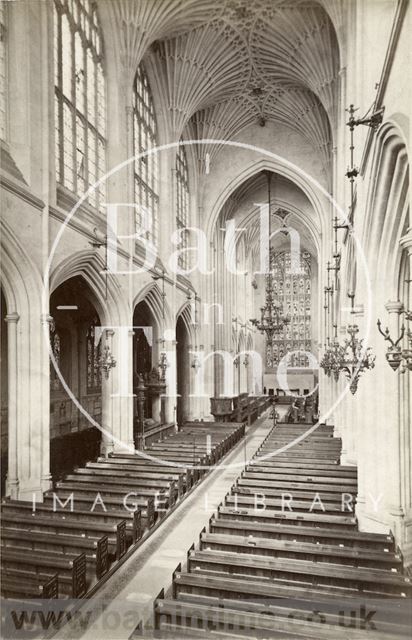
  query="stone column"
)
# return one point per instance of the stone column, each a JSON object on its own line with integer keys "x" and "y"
{"x": 12, "y": 483}
{"x": 405, "y": 420}
{"x": 390, "y": 413}
{"x": 122, "y": 401}
{"x": 45, "y": 476}
{"x": 140, "y": 402}
{"x": 169, "y": 403}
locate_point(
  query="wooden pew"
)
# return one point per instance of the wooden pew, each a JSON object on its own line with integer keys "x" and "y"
{"x": 279, "y": 474}
{"x": 239, "y": 524}
{"x": 262, "y": 501}
{"x": 103, "y": 535}
{"x": 288, "y": 467}
{"x": 313, "y": 486}
{"x": 284, "y": 600}
{"x": 194, "y": 619}
{"x": 92, "y": 530}
{"x": 341, "y": 500}
{"x": 30, "y": 587}
{"x": 298, "y": 518}
{"x": 44, "y": 565}
{"x": 376, "y": 581}
{"x": 97, "y": 551}
{"x": 255, "y": 569}
{"x": 80, "y": 517}
{"x": 318, "y": 552}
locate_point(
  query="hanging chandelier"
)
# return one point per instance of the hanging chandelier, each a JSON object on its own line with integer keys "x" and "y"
{"x": 351, "y": 358}
{"x": 396, "y": 355}
{"x": 332, "y": 358}
{"x": 333, "y": 354}
{"x": 105, "y": 361}
{"x": 196, "y": 364}
{"x": 355, "y": 357}
{"x": 272, "y": 319}
{"x": 163, "y": 363}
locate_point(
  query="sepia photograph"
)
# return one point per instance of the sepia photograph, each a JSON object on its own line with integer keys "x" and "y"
{"x": 206, "y": 319}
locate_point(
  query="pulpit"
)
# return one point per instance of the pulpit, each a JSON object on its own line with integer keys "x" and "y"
{"x": 221, "y": 409}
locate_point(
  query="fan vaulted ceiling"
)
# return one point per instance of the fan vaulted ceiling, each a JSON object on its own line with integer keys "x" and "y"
{"x": 222, "y": 65}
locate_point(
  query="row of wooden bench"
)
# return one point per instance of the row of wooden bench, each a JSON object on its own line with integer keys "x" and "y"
{"x": 91, "y": 517}
{"x": 266, "y": 568}
{"x": 240, "y": 408}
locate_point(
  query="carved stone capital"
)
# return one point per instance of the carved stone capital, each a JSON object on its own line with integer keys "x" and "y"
{"x": 406, "y": 241}
{"x": 12, "y": 317}
{"x": 394, "y": 306}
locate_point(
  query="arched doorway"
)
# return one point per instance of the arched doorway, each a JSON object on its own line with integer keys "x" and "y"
{"x": 4, "y": 397}
{"x": 75, "y": 344}
{"x": 182, "y": 372}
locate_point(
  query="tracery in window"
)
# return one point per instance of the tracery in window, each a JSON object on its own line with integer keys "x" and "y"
{"x": 94, "y": 374}
{"x": 80, "y": 111}
{"x": 146, "y": 169}
{"x": 292, "y": 287}
{"x": 3, "y": 70}
{"x": 182, "y": 204}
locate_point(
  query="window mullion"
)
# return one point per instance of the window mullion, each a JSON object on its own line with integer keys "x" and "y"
{"x": 80, "y": 110}
{"x": 86, "y": 115}
{"x": 59, "y": 93}
{"x": 74, "y": 110}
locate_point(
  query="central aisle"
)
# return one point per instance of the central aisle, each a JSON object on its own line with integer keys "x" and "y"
{"x": 128, "y": 596}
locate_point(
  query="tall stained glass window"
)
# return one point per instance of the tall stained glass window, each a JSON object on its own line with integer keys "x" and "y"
{"x": 146, "y": 168}
{"x": 94, "y": 374}
{"x": 292, "y": 287}
{"x": 80, "y": 109}
{"x": 182, "y": 204}
{"x": 3, "y": 70}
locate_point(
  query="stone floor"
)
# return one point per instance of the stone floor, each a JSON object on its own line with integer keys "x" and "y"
{"x": 128, "y": 596}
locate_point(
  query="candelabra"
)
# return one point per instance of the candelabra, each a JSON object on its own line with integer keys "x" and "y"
{"x": 271, "y": 320}
{"x": 351, "y": 358}
{"x": 355, "y": 358}
{"x": 105, "y": 361}
{"x": 395, "y": 354}
{"x": 332, "y": 359}
{"x": 196, "y": 360}
{"x": 163, "y": 363}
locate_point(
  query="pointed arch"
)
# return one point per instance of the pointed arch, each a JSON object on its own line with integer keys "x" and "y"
{"x": 152, "y": 295}
{"x": 91, "y": 266}
{"x": 309, "y": 186}
{"x": 387, "y": 207}
{"x": 20, "y": 278}
{"x": 185, "y": 314}
{"x": 28, "y": 408}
